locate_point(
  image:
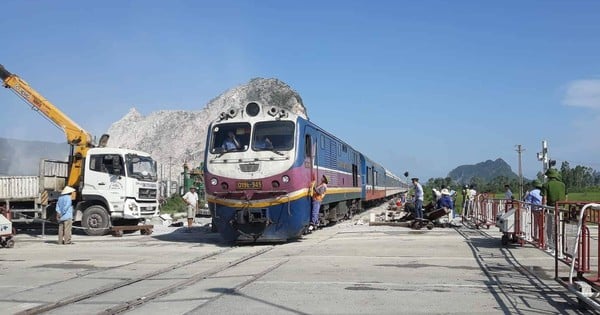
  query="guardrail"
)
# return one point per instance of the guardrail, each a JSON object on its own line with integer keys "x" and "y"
{"x": 568, "y": 231}
{"x": 577, "y": 238}
{"x": 519, "y": 221}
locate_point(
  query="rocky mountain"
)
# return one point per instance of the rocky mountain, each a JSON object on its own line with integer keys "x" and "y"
{"x": 20, "y": 157}
{"x": 485, "y": 170}
{"x": 174, "y": 137}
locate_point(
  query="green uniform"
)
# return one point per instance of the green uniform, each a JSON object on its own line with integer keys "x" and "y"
{"x": 554, "y": 190}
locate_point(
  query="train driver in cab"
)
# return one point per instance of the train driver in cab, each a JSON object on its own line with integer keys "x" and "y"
{"x": 230, "y": 143}
{"x": 264, "y": 143}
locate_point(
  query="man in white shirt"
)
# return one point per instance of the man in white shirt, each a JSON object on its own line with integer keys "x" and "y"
{"x": 191, "y": 198}
{"x": 418, "y": 198}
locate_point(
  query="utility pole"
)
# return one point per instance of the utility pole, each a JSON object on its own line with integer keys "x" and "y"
{"x": 520, "y": 150}
{"x": 169, "y": 179}
{"x": 162, "y": 181}
{"x": 543, "y": 157}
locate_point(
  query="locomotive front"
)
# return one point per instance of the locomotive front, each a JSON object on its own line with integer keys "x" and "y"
{"x": 256, "y": 183}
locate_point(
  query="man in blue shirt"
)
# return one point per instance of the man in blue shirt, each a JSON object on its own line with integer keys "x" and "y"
{"x": 231, "y": 143}
{"x": 445, "y": 201}
{"x": 64, "y": 215}
{"x": 264, "y": 143}
{"x": 534, "y": 196}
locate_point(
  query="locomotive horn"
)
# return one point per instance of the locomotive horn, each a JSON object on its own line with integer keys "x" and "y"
{"x": 232, "y": 113}
{"x": 273, "y": 111}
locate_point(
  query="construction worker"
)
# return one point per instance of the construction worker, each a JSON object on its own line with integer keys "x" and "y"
{"x": 64, "y": 215}
{"x": 317, "y": 198}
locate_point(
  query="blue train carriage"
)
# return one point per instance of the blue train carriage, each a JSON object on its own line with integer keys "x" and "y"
{"x": 260, "y": 164}
{"x": 394, "y": 185}
{"x": 340, "y": 163}
{"x": 373, "y": 186}
{"x": 380, "y": 184}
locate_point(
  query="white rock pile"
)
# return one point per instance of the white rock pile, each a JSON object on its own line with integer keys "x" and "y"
{"x": 176, "y": 136}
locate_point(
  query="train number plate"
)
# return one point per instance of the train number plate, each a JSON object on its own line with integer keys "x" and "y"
{"x": 253, "y": 184}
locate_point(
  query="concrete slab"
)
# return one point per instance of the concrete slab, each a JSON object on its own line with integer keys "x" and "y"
{"x": 349, "y": 268}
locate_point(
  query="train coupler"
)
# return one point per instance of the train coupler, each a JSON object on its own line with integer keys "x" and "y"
{"x": 258, "y": 215}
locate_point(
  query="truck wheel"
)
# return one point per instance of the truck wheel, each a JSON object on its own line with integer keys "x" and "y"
{"x": 95, "y": 221}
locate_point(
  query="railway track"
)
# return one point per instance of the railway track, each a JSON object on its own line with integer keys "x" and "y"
{"x": 171, "y": 275}
{"x": 105, "y": 287}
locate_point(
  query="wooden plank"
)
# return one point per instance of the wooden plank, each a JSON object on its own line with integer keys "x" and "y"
{"x": 117, "y": 231}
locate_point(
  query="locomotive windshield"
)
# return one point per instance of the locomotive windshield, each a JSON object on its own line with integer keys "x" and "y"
{"x": 273, "y": 135}
{"x": 230, "y": 137}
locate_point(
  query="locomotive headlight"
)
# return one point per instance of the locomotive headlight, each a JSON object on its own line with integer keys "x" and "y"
{"x": 252, "y": 109}
{"x": 285, "y": 179}
{"x": 214, "y": 181}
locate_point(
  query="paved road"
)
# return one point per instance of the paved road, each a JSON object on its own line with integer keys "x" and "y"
{"x": 344, "y": 269}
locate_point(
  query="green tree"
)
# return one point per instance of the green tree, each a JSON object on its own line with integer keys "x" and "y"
{"x": 173, "y": 204}
{"x": 478, "y": 183}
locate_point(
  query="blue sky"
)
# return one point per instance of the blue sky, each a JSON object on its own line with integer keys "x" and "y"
{"x": 422, "y": 86}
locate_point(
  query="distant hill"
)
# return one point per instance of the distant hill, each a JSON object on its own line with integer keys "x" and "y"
{"x": 485, "y": 170}
{"x": 20, "y": 157}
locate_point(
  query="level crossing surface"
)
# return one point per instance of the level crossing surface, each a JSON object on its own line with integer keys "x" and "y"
{"x": 349, "y": 268}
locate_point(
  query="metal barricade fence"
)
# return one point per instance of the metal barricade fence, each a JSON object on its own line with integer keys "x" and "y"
{"x": 577, "y": 240}
{"x": 569, "y": 231}
{"x": 484, "y": 210}
{"x": 550, "y": 228}
{"x": 533, "y": 224}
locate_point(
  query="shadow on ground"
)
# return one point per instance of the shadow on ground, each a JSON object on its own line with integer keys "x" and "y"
{"x": 517, "y": 288}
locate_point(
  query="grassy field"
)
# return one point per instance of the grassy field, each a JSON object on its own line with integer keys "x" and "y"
{"x": 585, "y": 196}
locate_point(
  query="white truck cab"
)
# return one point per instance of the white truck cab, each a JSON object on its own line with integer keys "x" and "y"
{"x": 118, "y": 186}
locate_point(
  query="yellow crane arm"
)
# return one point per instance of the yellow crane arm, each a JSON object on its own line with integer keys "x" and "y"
{"x": 80, "y": 139}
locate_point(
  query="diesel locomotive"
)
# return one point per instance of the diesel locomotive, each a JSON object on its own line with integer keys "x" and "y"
{"x": 261, "y": 163}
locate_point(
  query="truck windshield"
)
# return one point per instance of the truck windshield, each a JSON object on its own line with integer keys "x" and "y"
{"x": 232, "y": 137}
{"x": 141, "y": 167}
{"x": 273, "y": 136}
